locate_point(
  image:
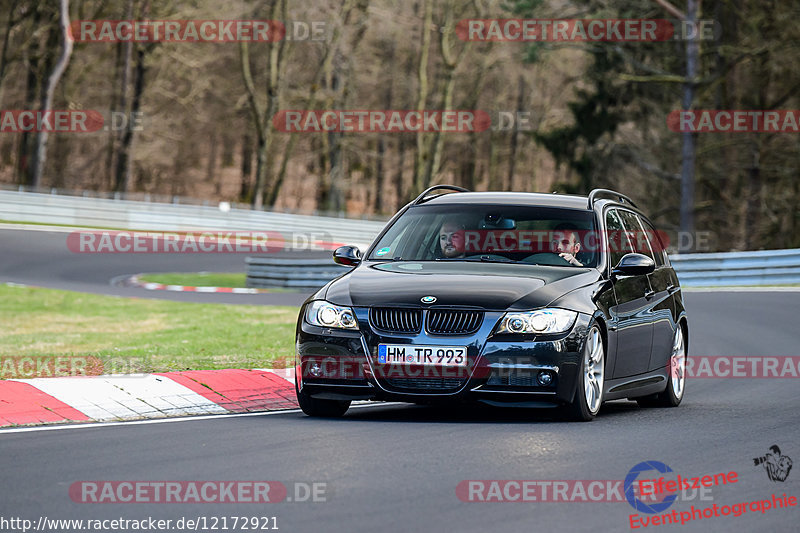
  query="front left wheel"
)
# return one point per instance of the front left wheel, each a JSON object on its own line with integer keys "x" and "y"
{"x": 321, "y": 408}
{"x": 591, "y": 378}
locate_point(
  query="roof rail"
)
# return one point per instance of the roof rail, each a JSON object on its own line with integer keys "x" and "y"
{"x": 596, "y": 194}
{"x": 422, "y": 197}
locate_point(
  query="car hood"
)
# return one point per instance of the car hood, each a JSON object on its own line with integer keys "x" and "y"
{"x": 490, "y": 286}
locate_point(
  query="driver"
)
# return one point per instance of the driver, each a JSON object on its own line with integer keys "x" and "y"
{"x": 451, "y": 239}
{"x": 566, "y": 244}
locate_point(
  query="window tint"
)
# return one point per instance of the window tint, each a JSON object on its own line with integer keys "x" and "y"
{"x": 532, "y": 235}
{"x": 636, "y": 234}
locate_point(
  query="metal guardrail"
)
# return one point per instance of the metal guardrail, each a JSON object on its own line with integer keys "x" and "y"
{"x": 770, "y": 267}
{"x": 147, "y": 197}
{"x": 730, "y": 269}
{"x": 151, "y": 216}
{"x": 299, "y": 273}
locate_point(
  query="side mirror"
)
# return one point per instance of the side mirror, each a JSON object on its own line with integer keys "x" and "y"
{"x": 634, "y": 265}
{"x": 347, "y": 256}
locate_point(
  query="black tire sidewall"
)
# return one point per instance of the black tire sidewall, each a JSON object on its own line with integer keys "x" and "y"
{"x": 579, "y": 409}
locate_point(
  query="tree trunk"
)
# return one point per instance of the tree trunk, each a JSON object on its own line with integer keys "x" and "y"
{"x": 120, "y": 158}
{"x": 450, "y": 63}
{"x": 47, "y": 103}
{"x": 421, "y": 155}
{"x": 323, "y": 71}
{"x": 398, "y": 177}
{"x": 689, "y": 138}
{"x": 124, "y": 159}
{"x": 262, "y": 118}
{"x": 378, "y": 205}
{"x": 753, "y": 200}
{"x": 4, "y": 55}
{"x": 247, "y": 166}
{"x": 512, "y": 157}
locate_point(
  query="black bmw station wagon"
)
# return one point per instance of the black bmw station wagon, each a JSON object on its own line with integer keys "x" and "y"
{"x": 515, "y": 299}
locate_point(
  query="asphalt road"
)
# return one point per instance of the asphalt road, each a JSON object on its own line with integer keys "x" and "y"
{"x": 395, "y": 468}
{"x": 42, "y": 258}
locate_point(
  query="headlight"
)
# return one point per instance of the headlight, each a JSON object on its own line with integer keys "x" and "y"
{"x": 541, "y": 321}
{"x": 326, "y": 315}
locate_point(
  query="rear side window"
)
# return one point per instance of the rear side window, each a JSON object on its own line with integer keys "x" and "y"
{"x": 657, "y": 245}
{"x": 618, "y": 243}
{"x": 636, "y": 234}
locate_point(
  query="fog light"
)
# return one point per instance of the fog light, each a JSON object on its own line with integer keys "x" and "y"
{"x": 315, "y": 370}
{"x": 545, "y": 377}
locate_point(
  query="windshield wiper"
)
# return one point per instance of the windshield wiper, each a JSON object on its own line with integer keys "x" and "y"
{"x": 487, "y": 259}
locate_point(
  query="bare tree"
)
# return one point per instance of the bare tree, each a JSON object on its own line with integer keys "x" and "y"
{"x": 422, "y": 154}
{"x": 47, "y": 103}
{"x": 262, "y": 114}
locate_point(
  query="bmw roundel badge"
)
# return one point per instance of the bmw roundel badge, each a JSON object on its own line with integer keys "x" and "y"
{"x": 428, "y": 299}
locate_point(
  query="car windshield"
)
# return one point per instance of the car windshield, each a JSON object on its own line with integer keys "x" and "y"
{"x": 492, "y": 233}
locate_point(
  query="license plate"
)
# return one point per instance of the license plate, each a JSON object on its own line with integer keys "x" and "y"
{"x": 414, "y": 354}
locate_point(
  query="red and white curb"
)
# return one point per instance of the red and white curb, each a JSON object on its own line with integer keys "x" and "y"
{"x": 142, "y": 396}
{"x": 134, "y": 281}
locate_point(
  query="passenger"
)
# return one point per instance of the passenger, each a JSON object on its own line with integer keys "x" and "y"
{"x": 566, "y": 243}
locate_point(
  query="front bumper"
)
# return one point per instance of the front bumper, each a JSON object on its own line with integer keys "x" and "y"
{"x": 501, "y": 369}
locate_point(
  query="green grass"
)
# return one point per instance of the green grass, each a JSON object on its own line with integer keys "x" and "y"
{"x": 198, "y": 279}
{"x": 133, "y": 335}
{"x": 23, "y": 223}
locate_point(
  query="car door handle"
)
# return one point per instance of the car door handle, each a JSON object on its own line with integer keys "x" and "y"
{"x": 649, "y": 294}
{"x": 672, "y": 289}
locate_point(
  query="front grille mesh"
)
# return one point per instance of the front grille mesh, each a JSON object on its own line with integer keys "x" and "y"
{"x": 513, "y": 380}
{"x": 422, "y": 384}
{"x": 453, "y": 322}
{"x": 396, "y": 320}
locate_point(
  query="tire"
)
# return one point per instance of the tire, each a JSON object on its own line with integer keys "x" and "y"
{"x": 591, "y": 378}
{"x": 676, "y": 381}
{"x": 321, "y": 408}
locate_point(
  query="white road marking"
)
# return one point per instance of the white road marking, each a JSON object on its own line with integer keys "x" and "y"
{"x": 90, "y": 425}
{"x": 37, "y": 227}
{"x": 118, "y": 397}
{"x": 285, "y": 373}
